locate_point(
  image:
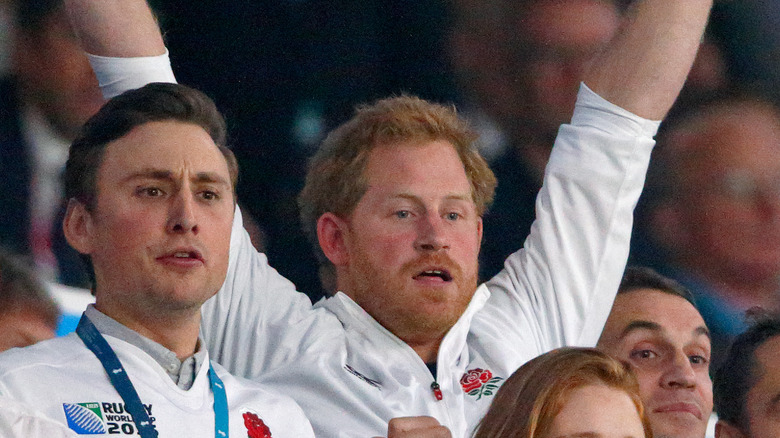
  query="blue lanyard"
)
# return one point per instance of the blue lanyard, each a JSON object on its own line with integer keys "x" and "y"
{"x": 121, "y": 382}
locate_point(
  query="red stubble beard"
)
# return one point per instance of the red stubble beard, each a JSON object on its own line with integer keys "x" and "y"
{"x": 414, "y": 311}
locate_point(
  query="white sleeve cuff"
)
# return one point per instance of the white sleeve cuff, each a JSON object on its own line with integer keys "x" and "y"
{"x": 117, "y": 75}
{"x": 594, "y": 110}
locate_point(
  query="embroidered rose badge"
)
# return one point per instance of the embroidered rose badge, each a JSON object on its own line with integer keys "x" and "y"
{"x": 255, "y": 427}
{"x": 479, "y": 382}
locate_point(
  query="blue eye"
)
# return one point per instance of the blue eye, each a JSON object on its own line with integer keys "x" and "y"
{"x": 402, "y": 214}
{"x": 453, "y": 216}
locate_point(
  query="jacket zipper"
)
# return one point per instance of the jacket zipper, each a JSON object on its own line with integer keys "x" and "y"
{"x": 437, "y": 391}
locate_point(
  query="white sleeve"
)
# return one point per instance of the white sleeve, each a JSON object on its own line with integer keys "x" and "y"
{"x": 559, "y": 288}
{"x": 117, "y": 75}
{"x": 257, "y": 321}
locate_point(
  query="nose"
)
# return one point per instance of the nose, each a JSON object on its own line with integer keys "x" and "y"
{"x": 680, "y": 373}
{"x": 430, "y": 234}
{"x": 181, "y": 214}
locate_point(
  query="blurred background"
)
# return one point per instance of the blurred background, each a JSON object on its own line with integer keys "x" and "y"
{"x": 285, "y": 72}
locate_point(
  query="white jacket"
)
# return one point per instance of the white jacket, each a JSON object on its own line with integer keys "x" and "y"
{"x": 18, "y": 420}
{"x": 351, "y": 376}
{"x": 65, "y": 382}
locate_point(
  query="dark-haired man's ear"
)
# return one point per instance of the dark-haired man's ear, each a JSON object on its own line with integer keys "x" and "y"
{"x": 77, "y": 226}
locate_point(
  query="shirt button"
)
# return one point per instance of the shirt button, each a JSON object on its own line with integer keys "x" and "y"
{"x": 172, "y": 368}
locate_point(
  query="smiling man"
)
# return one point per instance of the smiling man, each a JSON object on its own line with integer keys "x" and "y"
{"x": 150, "y": 189}
{"x": 656, "y": 329}
{"x": 394, "y": 200}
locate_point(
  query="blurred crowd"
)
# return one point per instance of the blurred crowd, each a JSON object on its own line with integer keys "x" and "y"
{"x": 290, "y": 71}
{"x": 284, "y": 73}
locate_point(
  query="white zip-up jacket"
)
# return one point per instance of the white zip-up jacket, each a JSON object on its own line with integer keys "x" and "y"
{"x": 351, "y": 376}
{"x": 65, "y": 382}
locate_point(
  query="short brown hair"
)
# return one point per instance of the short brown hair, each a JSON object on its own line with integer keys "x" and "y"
{"x": 150, "y": 103}
{"x": 529, "y": 400}
{"x": 153, "y": 102}
{"x": 643, "y": 277}
{"x": 335, "y": 181}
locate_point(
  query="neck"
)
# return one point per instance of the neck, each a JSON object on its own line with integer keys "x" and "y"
{"x": 428, "y": 352}
{"x": 424, "y": 343}
{"x": 177, "y": 333}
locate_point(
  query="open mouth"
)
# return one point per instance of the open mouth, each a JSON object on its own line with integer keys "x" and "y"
{"x": 444, "y": 275}
{"x": 183, "y": 255}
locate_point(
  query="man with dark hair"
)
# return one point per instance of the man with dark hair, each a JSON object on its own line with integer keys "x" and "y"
{"x": 45, "y": 100}
{"x": 748, "y": 382}
{"x": 151, "y": 204}
{"x": 713, "y": 207}
{"x": 640, "y": 277}
{"x": 409, "y": 332}
{"x": 27, "y": 313}
{"x": 655, "y": 327}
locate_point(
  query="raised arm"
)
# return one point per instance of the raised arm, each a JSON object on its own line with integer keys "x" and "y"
{"x": 644, "y": 67}
{"x": 123, "y": 42}
{"x": 558, "y": 289}
{"x": 256, "y": 306}
{"x": 116, "y": 28}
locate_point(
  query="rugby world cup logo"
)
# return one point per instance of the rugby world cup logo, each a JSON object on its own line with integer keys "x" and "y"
{"x": 84, "y": 418}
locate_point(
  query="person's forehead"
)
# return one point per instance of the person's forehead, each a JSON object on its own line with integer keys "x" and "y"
{"x": 164, "y": 145}
{"x": 580, "y": 418}
{"x": 667, "y": 314}
{"x": 435, "y": 164}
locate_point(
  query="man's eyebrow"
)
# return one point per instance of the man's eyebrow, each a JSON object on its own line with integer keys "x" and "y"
{"x": 640, "y": 325}
{"x": 158, "y": 174}
{"x": 654, "y": 326}
{"x": 407, "y": 195}
{"x": 586, "y": 435}
{"x": 210, "y": 177}
{"x": 460, "y": 197}
{"x": 580, "y": 435}
{"x": 465, "y": 197}
{"x": 702, "y": 330}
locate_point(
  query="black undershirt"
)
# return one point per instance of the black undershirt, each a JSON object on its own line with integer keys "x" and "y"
{"x": 432, "y": 368}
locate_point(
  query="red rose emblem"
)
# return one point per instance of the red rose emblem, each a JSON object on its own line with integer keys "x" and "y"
{"x": 485, "y": 376}
{"x": 255, "y": 427}
{"x": 472, "y": 379}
